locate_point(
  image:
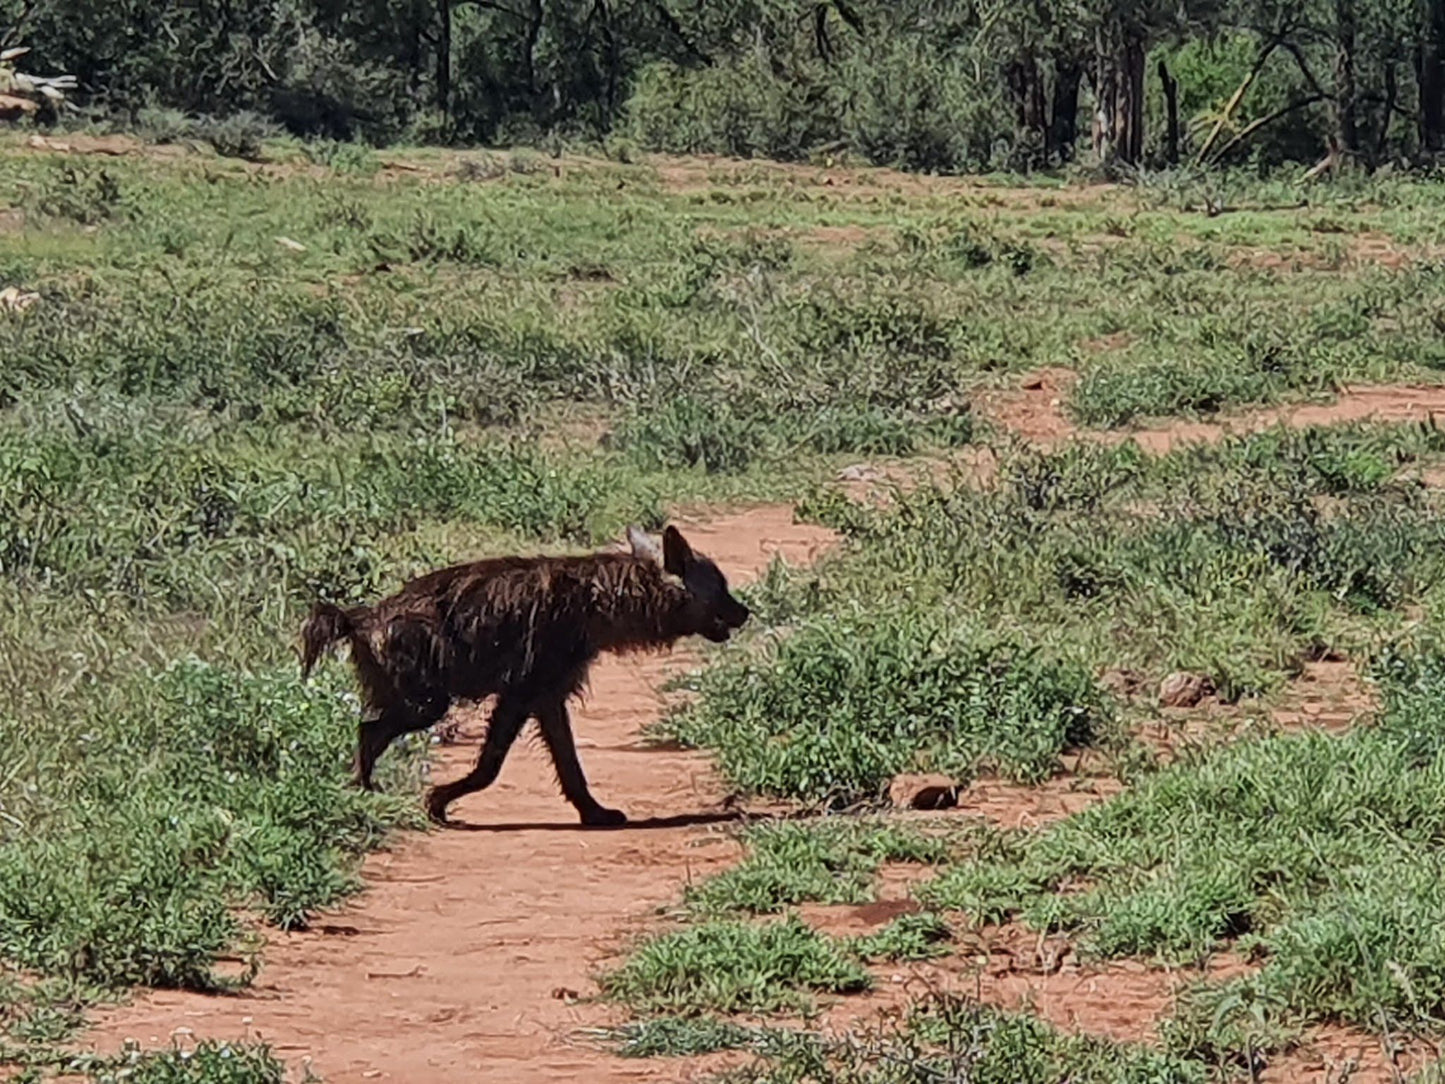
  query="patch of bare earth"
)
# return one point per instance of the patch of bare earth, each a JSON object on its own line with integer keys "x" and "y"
{"x": 1336, "y": 1055}
{"x": 1365, "y": 249}
{"x": 1327, "y": 695}
{"x": 464, "y": 957}
{"x": 893, "y": 897}
{"x": 698, "y": 173}
{"x": 1034, "y": 411}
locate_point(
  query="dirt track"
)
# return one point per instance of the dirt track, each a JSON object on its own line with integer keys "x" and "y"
{"x": 457, "y": 961}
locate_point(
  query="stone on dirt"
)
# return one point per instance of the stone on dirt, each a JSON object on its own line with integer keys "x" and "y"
{"x": 1183, "y": 689}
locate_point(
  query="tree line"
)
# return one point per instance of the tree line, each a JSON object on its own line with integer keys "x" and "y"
{"x": 923, "y": 84}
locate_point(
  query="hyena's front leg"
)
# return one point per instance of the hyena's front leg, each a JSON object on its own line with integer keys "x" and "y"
{"x": 557, "y": 733}
{"x": 508, "y": 716}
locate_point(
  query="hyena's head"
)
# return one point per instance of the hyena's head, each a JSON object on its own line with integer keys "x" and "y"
{"x": 711, "y": 609}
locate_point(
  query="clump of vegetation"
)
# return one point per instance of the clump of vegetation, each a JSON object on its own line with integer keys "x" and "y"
{"x": 837, "y": 708}
{"x": 209, "y": 1062}
{"x": 908, "y": 937}
{"x": 954, "y": 1038}
{"x": 834, "y": 861}
{"x": 726, "y": 965}
{"x": 683, "y": 1036}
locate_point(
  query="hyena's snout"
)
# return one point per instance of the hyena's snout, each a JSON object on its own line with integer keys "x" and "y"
{"x": 737, "y": 615}
{"x": 727, "y": 618}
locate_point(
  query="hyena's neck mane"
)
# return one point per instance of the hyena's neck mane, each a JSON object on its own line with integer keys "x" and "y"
{"x": 634, "y": 606}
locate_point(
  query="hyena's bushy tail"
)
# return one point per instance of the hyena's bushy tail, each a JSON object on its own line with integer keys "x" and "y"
{"x": 326, "y": 625}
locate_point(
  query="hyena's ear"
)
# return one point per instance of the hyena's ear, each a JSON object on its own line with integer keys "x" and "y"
{"x": 676, "y": 553}
{"x": 642, "y": 546}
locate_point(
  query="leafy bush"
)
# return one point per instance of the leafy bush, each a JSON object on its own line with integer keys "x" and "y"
{"x": 842, "y": 704}
{"x": 739, "y": 107}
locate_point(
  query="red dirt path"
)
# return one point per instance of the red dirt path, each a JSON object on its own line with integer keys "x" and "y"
{"x": 454, "y": 963}
{"x": 1034, "y": 410}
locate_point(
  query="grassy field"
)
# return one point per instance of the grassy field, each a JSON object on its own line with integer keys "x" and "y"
{"x": 244, "y": 387}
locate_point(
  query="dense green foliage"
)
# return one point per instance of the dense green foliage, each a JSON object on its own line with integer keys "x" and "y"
{"x": 967, "y": 86}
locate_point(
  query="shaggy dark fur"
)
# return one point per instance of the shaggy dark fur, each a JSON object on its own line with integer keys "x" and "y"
{"x": 525, "y": 629}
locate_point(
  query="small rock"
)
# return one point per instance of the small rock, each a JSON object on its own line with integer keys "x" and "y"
{"x": 858, "y": 472}
{"x": 1035, "y": 383}
{"x": 1182, "y": 689}
{"x": 562, "y": 993}
{"x": 923, "y": 792}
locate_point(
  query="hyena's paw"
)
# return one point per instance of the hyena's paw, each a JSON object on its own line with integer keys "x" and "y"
{"x": 602, "y": 817}
{"x": 436, "y": 808}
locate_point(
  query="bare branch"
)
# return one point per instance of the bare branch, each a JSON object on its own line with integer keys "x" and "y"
{"x": 1255, "y": 125}
{"x": 1265, "y": 51}
{"x": 1299, "y": 58}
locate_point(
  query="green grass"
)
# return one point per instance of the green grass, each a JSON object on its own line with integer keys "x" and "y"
{"x": 1316, "y": 851}
{"x": 951, "y": 1038}
{"x": 725, "y": 965}
{"x": 788, "y": 863}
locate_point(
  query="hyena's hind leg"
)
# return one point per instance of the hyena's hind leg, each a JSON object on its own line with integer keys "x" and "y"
{"x": 380, "y": 727}
{"x": 557, "y": 733}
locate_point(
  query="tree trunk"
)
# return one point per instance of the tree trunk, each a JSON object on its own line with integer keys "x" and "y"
{"x": 1131, "y": 102}
{"x": 1026, "y": 88}
{"x": 613, "y": 57}
{"x": 413, "y": 48}
{"x": 1105, "y": 102}
{"x": 444, "y": 57}
{"x": 534, "y": 34}
{"x": 1430, "y": 74}
{"x": 1346, "y": 126}
{"x": 1119, "y": 86}
{"x": 1064, "y": 110}
{"x": 1171, "y": 112}
{"x": 1392, "y": 97}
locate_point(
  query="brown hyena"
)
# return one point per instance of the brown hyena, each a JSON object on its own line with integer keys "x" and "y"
{"x": 525, "y": 629}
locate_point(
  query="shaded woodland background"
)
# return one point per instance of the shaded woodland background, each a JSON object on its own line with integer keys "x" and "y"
{"x": 956, "y": 86}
